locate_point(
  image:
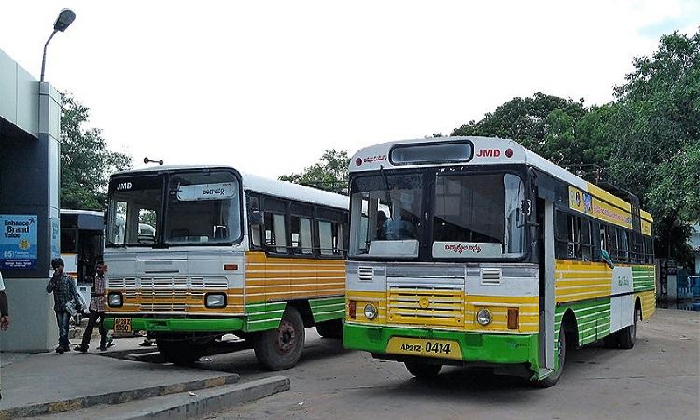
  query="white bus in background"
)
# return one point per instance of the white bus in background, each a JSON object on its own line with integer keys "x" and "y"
{"x": 82, "y": 244}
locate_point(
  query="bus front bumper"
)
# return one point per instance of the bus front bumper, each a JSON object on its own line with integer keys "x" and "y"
{"x": 215, "y": 325}
{"x": 474, "y": 347}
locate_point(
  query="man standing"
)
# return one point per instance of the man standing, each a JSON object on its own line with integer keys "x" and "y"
{"x": 64, "y": 292}
{"x": 4, "y": 318}
{"x": 97, "y": 310}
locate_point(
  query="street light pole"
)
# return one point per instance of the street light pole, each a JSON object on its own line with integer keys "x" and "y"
{"x": 63, "y": 21}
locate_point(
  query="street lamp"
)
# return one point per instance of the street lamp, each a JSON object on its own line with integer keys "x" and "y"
{"x": 63, "y": 21}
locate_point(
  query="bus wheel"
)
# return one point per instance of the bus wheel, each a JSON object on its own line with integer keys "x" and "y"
{"x": 423, "y": 371}
{"x": 553, "y": 378}
{"x": 611, "y": 341}
{"x": 180, "y": 352}
{"x": 280, "y": 349}
{"x": 330, "y": 329}
{"x": 628, "y": 336}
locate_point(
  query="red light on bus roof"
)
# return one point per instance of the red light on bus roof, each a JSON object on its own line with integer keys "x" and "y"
{"x": 230, "y": 267}
{"x": 509, "y": 153}
{"x": 358, "y": 162}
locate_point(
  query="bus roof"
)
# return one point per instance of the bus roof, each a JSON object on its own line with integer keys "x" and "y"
{"x": 262, "y": 185}
{"x": 486, "y": 151}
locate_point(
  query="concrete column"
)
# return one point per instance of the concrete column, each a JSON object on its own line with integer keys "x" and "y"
{"x": 30, "y": 185}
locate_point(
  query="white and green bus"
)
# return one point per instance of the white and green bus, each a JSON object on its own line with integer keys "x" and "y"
{"x": 476, "y": 251}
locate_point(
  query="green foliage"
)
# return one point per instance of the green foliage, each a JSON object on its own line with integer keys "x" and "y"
{"x": 526, "y": 120}
{"x": 86, "y": 163}
{"x": 659, "y": 122}
{"x": 330, "y": 173}
{"x": 647, "y": 141}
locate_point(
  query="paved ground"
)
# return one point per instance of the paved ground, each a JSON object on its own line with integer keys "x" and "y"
{"x": 29, "y": 379}
{"x": 657, "y": 379}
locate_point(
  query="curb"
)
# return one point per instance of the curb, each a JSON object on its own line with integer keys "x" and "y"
{"x": 221, "y": 400}
{"x": 115, "y": 397}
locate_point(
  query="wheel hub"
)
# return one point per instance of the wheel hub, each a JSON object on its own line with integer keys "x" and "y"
{"x": 285, "y": 337}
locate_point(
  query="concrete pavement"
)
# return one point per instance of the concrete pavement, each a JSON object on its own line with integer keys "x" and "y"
{"x": 35, "y": 384}
{"x": 659, "y": 378}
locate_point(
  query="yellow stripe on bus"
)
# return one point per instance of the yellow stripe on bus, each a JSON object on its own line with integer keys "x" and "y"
{"x": 269, "y": 279}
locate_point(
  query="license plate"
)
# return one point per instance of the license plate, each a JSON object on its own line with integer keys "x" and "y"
{"x": 122, "y": 325}
{"x": 442, "y": 349}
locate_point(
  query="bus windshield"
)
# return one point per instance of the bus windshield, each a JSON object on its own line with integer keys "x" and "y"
{"x": 202, "y": 207}
{"x": 472, "y": 216}
{"x": 388, "y": 208}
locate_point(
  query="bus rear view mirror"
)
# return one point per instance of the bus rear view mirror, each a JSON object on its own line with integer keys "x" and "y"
{"x": 256, "y": 218}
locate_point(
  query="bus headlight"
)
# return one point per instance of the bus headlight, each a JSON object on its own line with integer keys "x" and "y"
{"x": 370, "y": 311}
{"x": 483, "y": 317}
{"x": 215, "y": 300}
{"x": 114, "y": 300}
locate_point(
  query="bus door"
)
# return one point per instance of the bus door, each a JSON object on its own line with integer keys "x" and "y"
{"x": 545, "y": 222}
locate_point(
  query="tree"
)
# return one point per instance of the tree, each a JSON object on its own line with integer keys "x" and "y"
{"x": 85, "y": 160}
{"x": 330, "y": 173}
{"x": 646, "y": 141}
{"x": 659, "y": 117}
{"x": 526, "y": 120}
{"x": 657, "y": 138}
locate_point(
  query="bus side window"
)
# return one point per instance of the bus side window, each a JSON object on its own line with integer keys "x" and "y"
{"x": 301, "y": 235}
{"x": 613, "y": 243}
{"x": 586, "y": 242}
{"x": 624, "y": 235}
{"x": 573, "y": 248}
{"x": 338, "y": 241}
{"x": 561, "y": 235}
{"x": 604, "y": 240}
{"x": 325, "y": 236}
{"x": 275, "y": 232}
{"x": 255, "y": 230}
{"x": 649, "y": 250}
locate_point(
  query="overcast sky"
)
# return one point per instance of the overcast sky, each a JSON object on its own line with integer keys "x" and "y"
{"x": 266, "y": 86}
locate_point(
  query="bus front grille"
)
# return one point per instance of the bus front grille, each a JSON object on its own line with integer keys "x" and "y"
{"x": 438, "y": 306}
{"x": 167, "y": 294}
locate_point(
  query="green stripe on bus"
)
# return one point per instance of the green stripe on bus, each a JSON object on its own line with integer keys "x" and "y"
{"x": 643, "y": 278}
{"x": 263, "y": 316}
{"x": 325, "y": 309}
{"x": 592, "y": 319}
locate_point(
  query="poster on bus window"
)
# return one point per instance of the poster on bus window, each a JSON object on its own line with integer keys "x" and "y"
{"x": 18, "y": 246}
{"x": 201, "y": 192}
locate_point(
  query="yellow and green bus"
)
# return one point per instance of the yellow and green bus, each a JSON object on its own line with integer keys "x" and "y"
{"x": 476, "y": 251}
{"x": 198, "y": 252}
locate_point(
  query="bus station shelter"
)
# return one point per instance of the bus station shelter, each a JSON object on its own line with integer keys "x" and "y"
{"x": 30, "y": 124}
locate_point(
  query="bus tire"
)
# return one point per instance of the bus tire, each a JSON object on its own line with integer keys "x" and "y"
{"x": 179, "y": 352}
{"x": 611, "y": 341}
{"x": 423, "y": 371}
{"x": 553, "y": 378}
{"x": 280, "y": 348}
{"x": 330, "y": 329}
{"x": 628, "y": 336}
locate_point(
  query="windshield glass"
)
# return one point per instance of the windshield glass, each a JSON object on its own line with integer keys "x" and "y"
{"x": 134, "y": 209}
{"x": 478, "y": 216}
{"x": 473, "y": 216}
{"x": 387, "y": 209}
{"x": 203, "y": 207}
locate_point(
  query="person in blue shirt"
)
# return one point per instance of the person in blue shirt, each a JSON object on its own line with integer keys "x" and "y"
{"x": 64, "y": 293}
